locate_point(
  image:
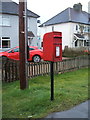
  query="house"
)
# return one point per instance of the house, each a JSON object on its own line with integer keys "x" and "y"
{"x": 74, "y": 25}
{"x": 9, "y": 26}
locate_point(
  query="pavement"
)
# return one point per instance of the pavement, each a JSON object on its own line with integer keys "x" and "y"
{"x": 80, "y": 111}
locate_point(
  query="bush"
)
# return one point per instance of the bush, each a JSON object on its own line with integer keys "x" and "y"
{"x": 74, "y": 52}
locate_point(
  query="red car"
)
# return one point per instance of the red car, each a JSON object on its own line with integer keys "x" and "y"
{"x": 35, "y": 54}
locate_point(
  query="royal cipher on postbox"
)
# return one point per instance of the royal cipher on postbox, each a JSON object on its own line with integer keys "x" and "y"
{"x": 52, "y": 46}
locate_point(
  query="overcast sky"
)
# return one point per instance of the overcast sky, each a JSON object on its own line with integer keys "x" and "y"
{"x": 49, "y": 8}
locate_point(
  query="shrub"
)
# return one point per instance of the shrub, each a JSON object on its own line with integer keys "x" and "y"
{"x": 74, "y": 52}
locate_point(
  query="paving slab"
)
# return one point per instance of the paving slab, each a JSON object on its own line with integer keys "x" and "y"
{"x": 79, "y": 111}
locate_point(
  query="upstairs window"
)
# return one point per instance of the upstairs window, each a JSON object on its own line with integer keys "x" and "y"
{"x": 87, "y": 29}
{"x": 0, "y": 42}
{"x": 76, "y": 27}
{"x": 4, "y": 21}
{"x": 0, "y": 20}
{"x": 28, "y": 24}
{"x": 88, "y": 19}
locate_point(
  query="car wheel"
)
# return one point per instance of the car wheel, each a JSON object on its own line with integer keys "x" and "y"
{"x": 36, "y": 58}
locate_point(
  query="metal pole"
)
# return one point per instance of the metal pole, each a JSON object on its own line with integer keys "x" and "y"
{"x": 52, "y": 81}
{"x": 22, "y": 43}
{"x": 52, "y": 76}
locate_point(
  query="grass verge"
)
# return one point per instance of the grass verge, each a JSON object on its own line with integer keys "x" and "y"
{"x": 70, "y": 89}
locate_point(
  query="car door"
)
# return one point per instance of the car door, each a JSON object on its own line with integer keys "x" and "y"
{"x": 14, "y": 54}
{"x": 31, "y": 53}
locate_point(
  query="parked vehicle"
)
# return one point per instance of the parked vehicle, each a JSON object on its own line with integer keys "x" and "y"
{"x": 87, "y": 51}
{"x": 35, "y": 54}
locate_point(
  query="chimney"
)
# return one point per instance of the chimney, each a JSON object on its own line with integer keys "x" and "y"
{"x": 77, "y": 7}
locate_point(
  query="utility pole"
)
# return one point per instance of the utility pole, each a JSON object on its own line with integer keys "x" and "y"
{"x": 23, "y": 43}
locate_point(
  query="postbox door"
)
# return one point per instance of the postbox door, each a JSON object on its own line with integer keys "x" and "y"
{"x": 57, "y": 46}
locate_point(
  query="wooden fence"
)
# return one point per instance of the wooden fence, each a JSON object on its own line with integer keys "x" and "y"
{"x": 10, "y": 68}
{"x": 10, "y": 71}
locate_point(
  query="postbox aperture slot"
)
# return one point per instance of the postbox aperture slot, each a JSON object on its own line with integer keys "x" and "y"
{"x": 57, "y": 36}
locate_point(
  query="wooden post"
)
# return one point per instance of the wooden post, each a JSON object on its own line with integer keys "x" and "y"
{"x": 23, "y": 43}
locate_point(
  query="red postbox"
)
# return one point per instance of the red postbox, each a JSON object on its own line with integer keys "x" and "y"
{"x": 52, "y": 46}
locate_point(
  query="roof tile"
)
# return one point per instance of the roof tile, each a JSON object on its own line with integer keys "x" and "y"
{"x": 68, "y": 15}
{"x": 13, "y": 8}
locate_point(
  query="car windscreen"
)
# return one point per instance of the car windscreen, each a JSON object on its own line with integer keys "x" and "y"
{"x": 15, "y": 50}
{"x": 31, "y": 49}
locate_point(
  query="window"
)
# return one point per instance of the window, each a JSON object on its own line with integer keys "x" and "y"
{"x": 4, "y": 21}
{"x": 28, "y": 24}
{"x": 75, "y": 43}
{"x": 31, "y": 49}
{"x": 89, "y": 19}
{"x": 16, "y": 50}
{"x": 76, "y": 27}
{"x": 0, "y": 20}
{"x": 86, "y": 29}
{"x": 0, "y": 42}
{"x": 5, "y": 42}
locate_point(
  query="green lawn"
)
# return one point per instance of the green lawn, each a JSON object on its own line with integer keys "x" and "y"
{"x": 70, "y": 89}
